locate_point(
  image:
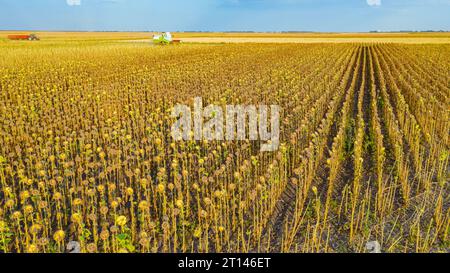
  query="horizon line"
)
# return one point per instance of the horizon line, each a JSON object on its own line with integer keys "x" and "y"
{"x": 236, "y": 31}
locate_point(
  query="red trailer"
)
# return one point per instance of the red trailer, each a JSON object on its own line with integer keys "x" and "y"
{"x": 30, "y": 37}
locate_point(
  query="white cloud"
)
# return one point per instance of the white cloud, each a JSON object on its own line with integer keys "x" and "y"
{"x": 73, "y": 2}
{"x": 374, "y": 2}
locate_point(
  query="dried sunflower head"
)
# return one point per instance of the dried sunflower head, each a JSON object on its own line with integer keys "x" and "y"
{"x": 121, "y": 220}
{"x": 58, "y": 236}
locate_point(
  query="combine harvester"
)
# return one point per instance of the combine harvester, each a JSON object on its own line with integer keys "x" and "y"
{"x": 21, "y": 37}
{"x": 165, "y": 39}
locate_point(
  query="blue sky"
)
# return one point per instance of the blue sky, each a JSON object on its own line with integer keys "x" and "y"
{"x": 226, "y": 15}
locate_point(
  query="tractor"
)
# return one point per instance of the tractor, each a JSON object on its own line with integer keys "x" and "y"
{"x": 33, "y": 37}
